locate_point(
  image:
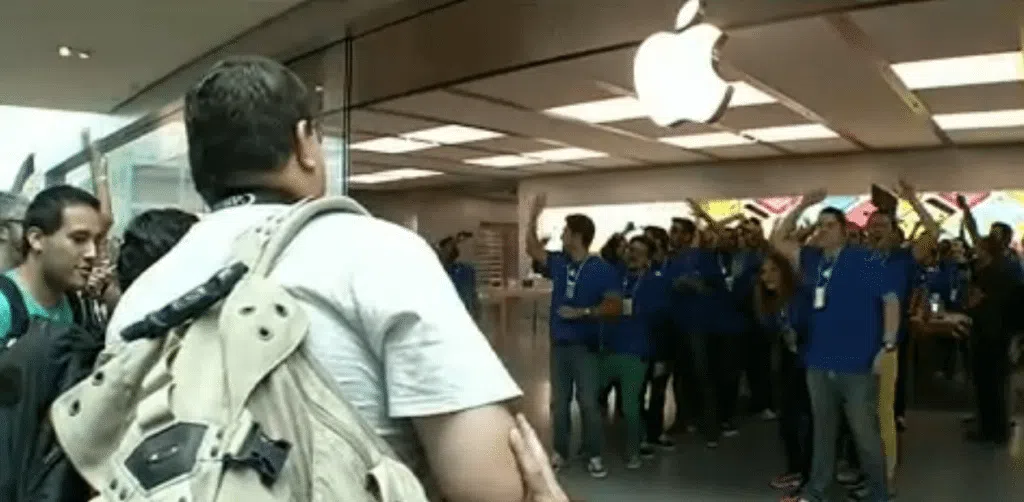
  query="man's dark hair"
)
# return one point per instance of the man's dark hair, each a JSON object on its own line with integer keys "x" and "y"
{"x": 685, "y": 224}
{"x": 583, "y": 226}
{"x": 46, "y": 211}
{"x": 148, "y": 237}
{"x": 240, "y": 119}
{"x": 837, "y": 213}
{"x": 648, "y": 243}
{"x": 660, "y": 236}
{"x": 893, "y": 222}
{"x": 1007, "y": 232}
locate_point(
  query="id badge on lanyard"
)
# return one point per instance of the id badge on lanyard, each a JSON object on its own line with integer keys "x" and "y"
{"x": 821, "y": 289}
{"x": 628, "y": 295}
{"x": 572, "y": 277}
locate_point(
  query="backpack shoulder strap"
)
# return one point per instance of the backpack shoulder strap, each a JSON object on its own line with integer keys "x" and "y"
{"x": 262, "y": 246}
{"x": 19, "y": 312}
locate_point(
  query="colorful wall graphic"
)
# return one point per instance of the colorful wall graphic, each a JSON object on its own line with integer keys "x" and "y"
{"x": 988, "y": 207}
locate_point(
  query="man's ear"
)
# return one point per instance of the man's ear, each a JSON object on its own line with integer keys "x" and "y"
{"x": 305, "y": 139}
{"x": 34, "y": 236}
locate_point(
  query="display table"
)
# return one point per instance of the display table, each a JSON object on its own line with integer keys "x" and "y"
{"x": 511, "y": 300}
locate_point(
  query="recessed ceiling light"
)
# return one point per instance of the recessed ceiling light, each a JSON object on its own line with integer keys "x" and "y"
{"x": 744, "y": 94}
{"x": 391, "y": 176}
{"x": 451, "y": 135}
{"x": 629, "y": 108}
{"x": 601, "y": 111}
{"x": 319, "y": 88}
{"x": 565, "y": 154}
{"x": 707, "y": 140}
{"x": 502, "y": 161}
{"x": 391, "y": 145}
{"x": 84, "y": 55}
{"x": 797, "y": 132}
{"x": 64, "y": 51}
{"x": 980, "y": 120}
{"x": 959, "y": 71}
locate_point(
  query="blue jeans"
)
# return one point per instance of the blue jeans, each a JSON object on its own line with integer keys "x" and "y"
{"x": 856, "y": 395}
{"x": 579, "y": 367}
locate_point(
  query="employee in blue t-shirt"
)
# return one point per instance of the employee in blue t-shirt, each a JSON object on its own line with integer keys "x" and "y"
{"x": 698, "y": 285}
{"x": 854, "y": 323}
{"x": 463, "y": 275}
{"x": 585, "y": 291}
{"x": 628, "y": 341}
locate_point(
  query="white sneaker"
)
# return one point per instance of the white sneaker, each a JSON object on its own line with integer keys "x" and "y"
{"x": 595, "y": 466}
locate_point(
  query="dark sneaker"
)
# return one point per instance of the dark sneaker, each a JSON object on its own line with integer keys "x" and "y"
{"x": 595, "y": 467}
{"x": 634, "y": 463}
{"x": 729, "y": 430}
{"x": 711, "y": 445}
{"x": 646, "y": 451}
{"x": 664, "y": 443}
{"x": 849, "y": 477}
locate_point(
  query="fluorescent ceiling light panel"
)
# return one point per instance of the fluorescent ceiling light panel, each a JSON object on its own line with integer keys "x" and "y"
{"x": 959, "y": 71}
{"x": 744, "y": 94}
{"x": 502, "y": 161}
{"x": 451, "y": 135}
{"x": 707, "y": 140}
{"x": 628, "y": 108}
{"x": 390, "y": 176}
{"x": 391, "y": 145}
{"x": 797, "y": 132}
{"x": 601, "y": 111}
{"x": 980, "y": 120}
{"x": 565, "y": 154}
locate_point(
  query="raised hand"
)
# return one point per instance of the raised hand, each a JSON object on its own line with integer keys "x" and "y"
{"x": 906, "y": 190}
{"x": 540, "y": 201}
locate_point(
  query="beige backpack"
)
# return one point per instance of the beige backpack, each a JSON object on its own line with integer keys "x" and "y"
{"x": 228, "y": 405}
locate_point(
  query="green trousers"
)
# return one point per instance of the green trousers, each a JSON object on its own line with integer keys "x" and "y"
{"x": 629, "y": 371}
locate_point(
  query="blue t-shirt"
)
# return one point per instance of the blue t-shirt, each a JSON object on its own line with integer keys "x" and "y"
{"x": 795, "y": 315}
{"x": 463, "y": 276}
{"x": 845, "y": 333}
{"x": 693, "y": 312}
{"x": 634, "y": 334}
{"x": 732, "y": 308}
{"x": 582, "y": 284}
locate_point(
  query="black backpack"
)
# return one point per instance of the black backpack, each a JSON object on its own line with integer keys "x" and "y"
{"x": 39, "y": 360}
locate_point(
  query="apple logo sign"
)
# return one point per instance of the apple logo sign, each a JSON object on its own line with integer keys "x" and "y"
{"x": 675, "y": 75}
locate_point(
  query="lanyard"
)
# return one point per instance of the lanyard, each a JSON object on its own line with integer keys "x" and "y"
{"x": 825, "y": 269}
{"x": 572, "y": 276}
{"x": 636, "y": 285}
{"x": 250, "y": 197}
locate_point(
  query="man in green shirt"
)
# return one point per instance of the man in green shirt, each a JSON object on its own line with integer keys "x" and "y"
{"x": 63, "y": 230}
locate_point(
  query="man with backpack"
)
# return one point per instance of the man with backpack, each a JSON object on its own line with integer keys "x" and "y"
{"x": 384, "y": 322}
{"x": 62, "y": 234}
{"x": 47, "y": 342}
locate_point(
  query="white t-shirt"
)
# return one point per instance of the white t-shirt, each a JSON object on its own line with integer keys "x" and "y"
{"x": 385, "y": 319}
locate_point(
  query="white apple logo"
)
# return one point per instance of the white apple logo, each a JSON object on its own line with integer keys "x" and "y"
{"x": 674, "y": 72}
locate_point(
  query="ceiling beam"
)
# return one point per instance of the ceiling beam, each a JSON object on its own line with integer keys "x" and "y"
{"x": 862, "y": 44}
{"x": 794, "y": 105}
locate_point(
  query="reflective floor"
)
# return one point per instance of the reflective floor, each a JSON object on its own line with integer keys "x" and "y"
{"x": 938, "y": 466}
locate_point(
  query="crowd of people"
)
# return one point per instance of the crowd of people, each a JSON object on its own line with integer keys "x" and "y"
{"x": 386, "y": 328}
{"x": 824, "y": 312}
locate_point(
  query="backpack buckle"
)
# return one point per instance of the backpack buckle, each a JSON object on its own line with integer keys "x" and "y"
{"x": 258, "y": 452}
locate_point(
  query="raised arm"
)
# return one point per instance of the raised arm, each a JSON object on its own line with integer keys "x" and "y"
{"x": 713, "y": 225}
{"x": 969, "y": 223}
{"x": 534, "y": 247}
{"x": 924, "y": 243}
{"x": 784, "y": 238}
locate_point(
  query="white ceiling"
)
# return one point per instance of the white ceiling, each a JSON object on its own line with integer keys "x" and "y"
{"x": 832, "y": 70}
{"x": 133, "y": 43}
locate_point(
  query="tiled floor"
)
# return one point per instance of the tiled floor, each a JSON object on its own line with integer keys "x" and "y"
{"x": 938, "y": 466}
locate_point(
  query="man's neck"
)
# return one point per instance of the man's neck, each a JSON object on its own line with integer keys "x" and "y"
{"x": 637, "y": 271}
{"x": 32, "y": 279}
{"x": 577, "y": 254}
